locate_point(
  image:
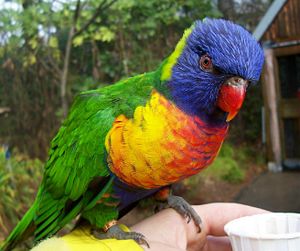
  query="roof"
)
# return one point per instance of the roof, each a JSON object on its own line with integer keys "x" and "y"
{"x": 268, "y": 18}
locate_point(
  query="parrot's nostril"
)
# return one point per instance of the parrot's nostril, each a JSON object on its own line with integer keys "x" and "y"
{"x": 237, "y": 81}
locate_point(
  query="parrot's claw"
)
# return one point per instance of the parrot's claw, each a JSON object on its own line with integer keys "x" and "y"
{"x": 115, "y": 232}
{"x": 186, "y": 210}
{"x": 160, "y": 206}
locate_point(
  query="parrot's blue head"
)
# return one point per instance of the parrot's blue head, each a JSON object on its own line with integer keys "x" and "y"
{"x": 209, "y": 71}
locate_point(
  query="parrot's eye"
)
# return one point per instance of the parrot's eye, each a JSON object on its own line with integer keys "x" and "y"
{"x": 206, "y": 63}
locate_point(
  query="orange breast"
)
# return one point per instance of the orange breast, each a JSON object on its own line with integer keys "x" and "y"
{"x": 160, "y": 144}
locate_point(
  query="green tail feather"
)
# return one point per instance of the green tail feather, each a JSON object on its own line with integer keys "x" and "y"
{"x": 52, "y": 218}
{"x": 23, "y": 229}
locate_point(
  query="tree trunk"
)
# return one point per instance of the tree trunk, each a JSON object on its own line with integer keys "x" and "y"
{"x": 72, "y": 34}
{"x": 96, "y": 61}
{"x": 65, "y": 71}
{"x": 272, "y": 106}
{"x": 123, "y": 53}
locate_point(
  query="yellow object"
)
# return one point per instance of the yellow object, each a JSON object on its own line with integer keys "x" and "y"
{"x": 81, "y": 240}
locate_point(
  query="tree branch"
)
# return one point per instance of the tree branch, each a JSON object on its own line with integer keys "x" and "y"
{"x": 76, "y": 14}
{"x": 103, "y": 6}
{"x": 65, "y": 71}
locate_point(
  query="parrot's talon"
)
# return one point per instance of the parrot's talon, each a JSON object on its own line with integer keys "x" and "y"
{"x": 189, "y": 219}
{"x": 142, "y": 241}
{"x": 186, "y": 210}
{"x": 159, "y": 207}
{"x": 115, "y": 232}
{"x": 200, "y": 226}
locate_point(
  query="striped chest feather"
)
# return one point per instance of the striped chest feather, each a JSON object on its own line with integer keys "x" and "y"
{"x": 160, "y": 144}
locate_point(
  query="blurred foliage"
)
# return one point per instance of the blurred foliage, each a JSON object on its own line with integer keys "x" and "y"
{"x": 245, "y": 12}
{"x": 19, "y": 179}
{"x": 111, "y": 40}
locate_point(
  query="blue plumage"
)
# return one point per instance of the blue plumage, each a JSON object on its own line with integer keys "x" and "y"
{"x": 196, "y": 91}
{"x": 129, "y": 195}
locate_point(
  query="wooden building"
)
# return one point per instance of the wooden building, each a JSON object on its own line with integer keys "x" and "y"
{"x": 279, "y": 33}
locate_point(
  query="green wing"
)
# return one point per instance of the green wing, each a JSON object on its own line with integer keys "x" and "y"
{"x": 77, "y": 156}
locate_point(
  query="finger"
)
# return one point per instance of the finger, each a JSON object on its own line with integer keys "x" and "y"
{"x": 216, "y": 215}
{"x": 157, "y": 246}
{"x": 217, "y": 243}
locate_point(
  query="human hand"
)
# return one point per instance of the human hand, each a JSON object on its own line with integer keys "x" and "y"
{"x": 168, "y": 231}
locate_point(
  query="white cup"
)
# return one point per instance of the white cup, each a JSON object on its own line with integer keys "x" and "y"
{"x": 265, "y": 232}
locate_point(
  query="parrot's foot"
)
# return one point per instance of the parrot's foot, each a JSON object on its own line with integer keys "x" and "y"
{"x": 186, "y": 210}
{"x": 115, "y": 232}
{"x": 160, "y": 206}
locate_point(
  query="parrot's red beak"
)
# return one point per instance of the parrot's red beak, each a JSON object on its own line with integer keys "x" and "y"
{"x": 231, "y": 96}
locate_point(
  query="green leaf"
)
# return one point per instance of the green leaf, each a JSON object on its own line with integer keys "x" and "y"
{"x": 78, "y": 41}
{"x": 29, "y": 60}
{"x": 104, "y": 34}
{"x": 53, "y": 42}
{"x": 33, "y": 43}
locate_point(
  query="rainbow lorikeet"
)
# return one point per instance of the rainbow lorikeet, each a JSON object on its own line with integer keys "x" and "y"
{"x": 133, "y": 139}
